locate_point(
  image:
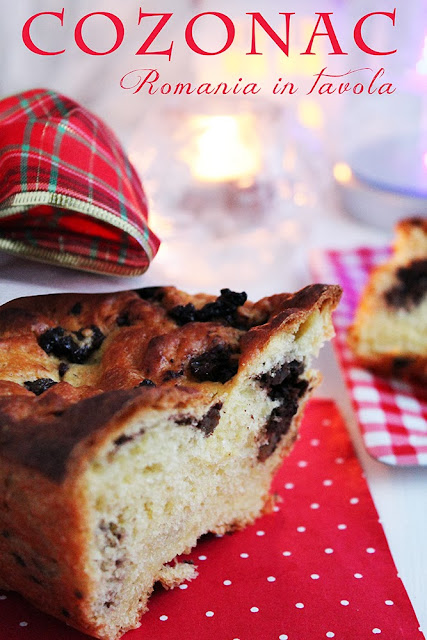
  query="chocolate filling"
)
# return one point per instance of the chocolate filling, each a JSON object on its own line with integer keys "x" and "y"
{"x": 39, "y": 386}
{"x": 411, "y": 286}
{"x": 74, "y": 346}
{"x": 62, "y": 369}
{"x": 210, "y": 420}
{"x": 224, "y": 309}
{"x": 207, "y": 424}
{"x": 123, "y": 439}
{"x": 286, "y": 385}
{"x": 146, "y": 383}
{"x": 215, "y": 365}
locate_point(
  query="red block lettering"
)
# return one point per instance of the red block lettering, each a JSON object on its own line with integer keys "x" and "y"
{"x": 27, "y": 37}
{"x": 329, "y": 32}
{"x": 358, "y": 37}
{"x": 153, "y": 35}
{"x": 120, "y": 33}
{"x": 283, "y": 45}
{"x": 229, "y": 25}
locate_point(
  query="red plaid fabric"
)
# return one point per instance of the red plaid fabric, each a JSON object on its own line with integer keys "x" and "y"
{"x": 392, "y": 414}
{"x": 68, "y": 193}
{"x": 318, "y": 567}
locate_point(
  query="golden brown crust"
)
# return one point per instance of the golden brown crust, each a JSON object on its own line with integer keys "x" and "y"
{"x": 289, "y": 310}
{"x": 42, "y": 431}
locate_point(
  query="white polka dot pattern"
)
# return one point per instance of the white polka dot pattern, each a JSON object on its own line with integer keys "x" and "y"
{"x": 320, "y": 563}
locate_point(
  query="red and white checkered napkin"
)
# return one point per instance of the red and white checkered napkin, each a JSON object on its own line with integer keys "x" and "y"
{"x": 392, "y": 414}
{"x": 318, "y": 567}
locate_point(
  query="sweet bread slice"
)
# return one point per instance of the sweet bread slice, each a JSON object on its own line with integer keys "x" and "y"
{"x": 133, "y": 423}
{"x": 389, "y": 333}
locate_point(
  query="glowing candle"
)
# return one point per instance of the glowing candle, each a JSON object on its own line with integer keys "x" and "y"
{"x": 226, "y": 148}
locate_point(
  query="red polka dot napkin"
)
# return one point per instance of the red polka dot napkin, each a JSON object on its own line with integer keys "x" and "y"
{"x": 68, "y": 193}
{"x": 317, "y": 567}
{"x": 392, "y": 414}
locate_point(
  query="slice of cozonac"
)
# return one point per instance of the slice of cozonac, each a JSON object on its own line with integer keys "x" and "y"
{"x": 133, "y": 423}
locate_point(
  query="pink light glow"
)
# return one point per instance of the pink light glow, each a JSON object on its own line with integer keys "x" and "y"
{"x": 425, "y": 160}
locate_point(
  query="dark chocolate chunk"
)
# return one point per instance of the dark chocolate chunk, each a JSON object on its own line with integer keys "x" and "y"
{"x": 206, "y": 424}
{"x": 65, "y": 613}
{"x": 39, "y": 386}
{"x": 5, "y": 533}
{"x": 411, "y": 286}
{"x": 74, "y": 346}
{"x": 219, "y": 364}
{"x": 123, "y": 320}
{"x": 279, "y": 379}
{"x": 223, "y": 309}
{"x": 36, "y": 580}
{"x": 210, "y": 420}
{"x": 286, "y": 385}
{"x": 224, "y": 306}
{"x": 183, "y": 313}
{"x": 122, "y": 440}
{"x": 150, "y": 293}
{"x": 76, "y": 309}
{"x": 62, "y": 369}
{"x": 146, "y": 383}
{"x": 78, "y": 594}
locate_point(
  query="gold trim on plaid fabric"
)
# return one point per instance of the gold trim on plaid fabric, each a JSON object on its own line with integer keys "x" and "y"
{"x": 66, "y": 259}
{"x": 24, "y": 201}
